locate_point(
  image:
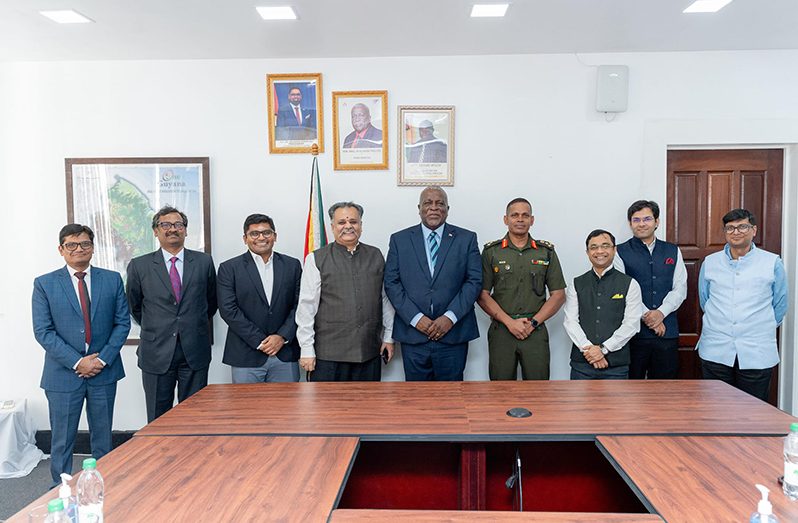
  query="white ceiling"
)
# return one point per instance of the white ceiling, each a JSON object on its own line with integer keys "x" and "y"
{"x": 197, "y": 29}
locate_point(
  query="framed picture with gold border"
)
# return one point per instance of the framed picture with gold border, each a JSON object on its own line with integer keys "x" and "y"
{"x": 295, "y": 112}
{"x": 426, "y": 145}
{"x": 360, "y": 130}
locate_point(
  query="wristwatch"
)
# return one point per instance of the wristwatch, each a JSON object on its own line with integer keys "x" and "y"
{"x": 535, "y": 323}
{"x": 604, "y": 350}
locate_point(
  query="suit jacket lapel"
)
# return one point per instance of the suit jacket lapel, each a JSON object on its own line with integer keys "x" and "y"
{"x": 252, "y": 270}
{"x": 446, "y": 241}
{"x": 69, "y": 290}
{"x": 279, "y": 271}
{"x": 163, "y": 271}
{"x": 417, "y": 239}
{"x": 189, "y": 269}
{"x": 96, "y": 290}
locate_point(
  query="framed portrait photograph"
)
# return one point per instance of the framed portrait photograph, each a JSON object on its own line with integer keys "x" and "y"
{"x": 426, "y": 145}
{"x": 117, "y": 198}
{"x": 295, "y": 112}
{"x": 360, "y": 130}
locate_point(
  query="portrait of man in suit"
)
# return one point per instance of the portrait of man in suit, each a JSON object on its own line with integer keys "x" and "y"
{"x": 172, "y": 296}
{"x": 257, "y": 293}
{"x": 364, "y": 135}
{"x": 428, "y": 148}
{"x": 433, "y": 275}
{"x": 81, "y": 319}
{"x": 294, "y": 113}
{"x": 344, "y": 319}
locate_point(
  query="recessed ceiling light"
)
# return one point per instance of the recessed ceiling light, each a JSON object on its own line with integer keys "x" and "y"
{"x": 284, "y": 12}
{"x": 488, "y": 10}
{"x": 706, "y": 6}
{"x": 66, "y": 17}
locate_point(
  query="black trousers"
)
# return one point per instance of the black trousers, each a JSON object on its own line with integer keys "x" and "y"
{"x": 159, "y": 389}
{"x": 755, "y": 382}
{"x": 654, "y": 358}
{"x": 345, "y": 371}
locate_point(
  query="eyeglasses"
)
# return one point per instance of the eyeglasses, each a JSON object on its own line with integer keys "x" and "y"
{"x": 742, "y": 228}
{"x": 257, "y": 234}
{"x": 644, "y": 219}
{"x": 603, "y": 247}
{"x": 165, "y": 226}
{"x": 72, "y": 246}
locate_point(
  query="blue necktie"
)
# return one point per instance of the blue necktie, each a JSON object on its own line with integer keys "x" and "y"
{"x": 433, "y": 249}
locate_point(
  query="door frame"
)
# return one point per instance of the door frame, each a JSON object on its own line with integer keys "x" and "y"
{"x": 663, "y": 135}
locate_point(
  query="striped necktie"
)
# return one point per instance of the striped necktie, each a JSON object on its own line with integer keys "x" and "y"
{"x": 432, "y": 240}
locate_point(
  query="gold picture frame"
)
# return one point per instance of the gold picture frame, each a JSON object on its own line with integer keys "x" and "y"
{"x": 295, "y": 132}
{"x": 426, "y": 145}
{"x": 360, "y": 130}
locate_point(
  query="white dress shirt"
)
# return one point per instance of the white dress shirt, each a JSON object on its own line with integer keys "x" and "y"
{"x": 678, "y": 292}
{"x": 308, "y": 306}
{"x": 167, "y": 258}
{"x": 266, "y": 272}
{"x": 630, "y": 325}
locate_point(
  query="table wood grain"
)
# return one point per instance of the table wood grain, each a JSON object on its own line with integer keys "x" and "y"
{"x": 703, "y": 478}
{"x": 221, "y": 478}
{"x": 443, "y": 516}
{"x": 472, "y": 410}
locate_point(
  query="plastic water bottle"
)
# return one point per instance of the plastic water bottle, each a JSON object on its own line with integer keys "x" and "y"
{"x": 791, "y": 463}
{"x": 90, "y": 493}
{"x": 55, "y": 512}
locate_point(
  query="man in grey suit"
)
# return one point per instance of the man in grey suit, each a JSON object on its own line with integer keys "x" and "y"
{"x": 81, "y": 319}
{"x": 258, "y": 293}
{"x": 172, "y": 295}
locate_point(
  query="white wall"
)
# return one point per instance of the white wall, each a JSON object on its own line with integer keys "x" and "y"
{"x": 525, "y": 126}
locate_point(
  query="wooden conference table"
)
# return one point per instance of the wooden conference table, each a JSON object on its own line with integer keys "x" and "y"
{"x": 592, "y": 451}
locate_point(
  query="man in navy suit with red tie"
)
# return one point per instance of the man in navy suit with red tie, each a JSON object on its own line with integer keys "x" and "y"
{"x": 433, "y": 276}
{"x": 172, "y": 295}
{"x": 81, "y": 319}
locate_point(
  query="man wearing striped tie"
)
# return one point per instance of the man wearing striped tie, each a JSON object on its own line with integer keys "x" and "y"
{"x": 433, "y": 275}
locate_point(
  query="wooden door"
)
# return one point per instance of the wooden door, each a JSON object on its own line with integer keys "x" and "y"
{"x": 702, "y": 187}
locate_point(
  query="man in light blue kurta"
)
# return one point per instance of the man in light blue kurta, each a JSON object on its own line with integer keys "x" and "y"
{"x": 743, "y": 293}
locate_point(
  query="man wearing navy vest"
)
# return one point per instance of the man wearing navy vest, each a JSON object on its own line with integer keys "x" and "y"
{"x": 602, "y": 313}
{"x": 659, "y": 268}
{"x": 743, "y": 293}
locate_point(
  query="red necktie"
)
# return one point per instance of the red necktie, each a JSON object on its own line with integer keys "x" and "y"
{"x": 85, "y": 304}
{"x": 298, "y": 118}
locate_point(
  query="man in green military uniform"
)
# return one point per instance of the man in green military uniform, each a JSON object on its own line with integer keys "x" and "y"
{"x": 519, "y": 269}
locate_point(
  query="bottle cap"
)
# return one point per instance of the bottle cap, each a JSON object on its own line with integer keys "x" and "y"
{"x": 764, "y": 507}
{"x": 89, "y": 463}
{"x": 793, "y": 427}
{"x": 55, "y": 505}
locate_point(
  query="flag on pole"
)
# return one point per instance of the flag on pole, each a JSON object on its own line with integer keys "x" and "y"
{"x": 315, "y": 231}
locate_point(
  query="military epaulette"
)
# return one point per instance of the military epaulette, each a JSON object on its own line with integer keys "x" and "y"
{"x": 546, "y": 244}
{"x": 494, "y": 242}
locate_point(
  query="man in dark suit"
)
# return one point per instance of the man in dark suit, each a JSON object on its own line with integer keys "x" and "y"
{"x": 172, "y": 295}
{"x": 295, "y": 114}
{"x": 81, "y": 319}
{"x": 433, "y": 276}
{"x": 365, "y": 135}
{"x": 258, "y": 293}
{"x": 428, "y": 148}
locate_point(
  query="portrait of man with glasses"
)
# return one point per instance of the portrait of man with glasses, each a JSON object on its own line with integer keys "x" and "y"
{"x": 258, "y": 293}
{"x": 602, "y": 313}
{"x": 81, "y": 320}
{"x": 172, "y": 296}
{"x": 658, "y": 266}
{"x": 743, "y": 293}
